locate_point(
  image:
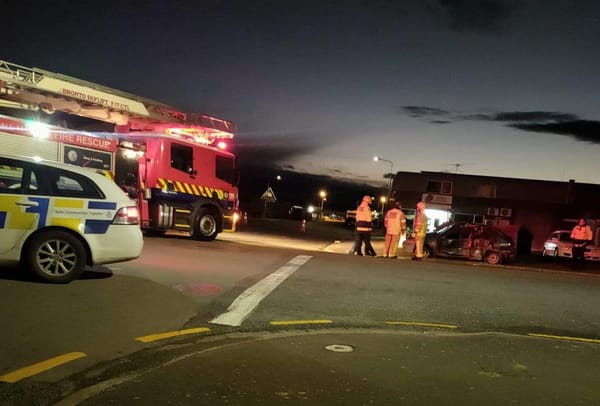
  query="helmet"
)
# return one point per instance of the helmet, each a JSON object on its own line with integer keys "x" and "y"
{"x": 421, "y": 205}
{"x": 367, "y": 199}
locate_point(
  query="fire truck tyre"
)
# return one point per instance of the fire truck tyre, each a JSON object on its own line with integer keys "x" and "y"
{"x": 205, "y": 225}
{"x": 55, "y": 256}
{"x": 493, "y": 258}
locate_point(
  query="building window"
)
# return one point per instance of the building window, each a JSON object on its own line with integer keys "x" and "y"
{"x": 182, "y": 157}
{"x": 439, "y": 186}
{"x": 486, "y": 191}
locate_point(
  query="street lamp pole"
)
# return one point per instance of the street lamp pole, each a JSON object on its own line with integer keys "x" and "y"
{"x": 323, "y": 196}
{"x": 377, "y": 159}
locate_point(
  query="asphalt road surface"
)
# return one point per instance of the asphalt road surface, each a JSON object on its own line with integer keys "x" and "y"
{"x": 247, "y": 319}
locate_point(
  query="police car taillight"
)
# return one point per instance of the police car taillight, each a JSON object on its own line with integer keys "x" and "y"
{"x": 127, "y": 215}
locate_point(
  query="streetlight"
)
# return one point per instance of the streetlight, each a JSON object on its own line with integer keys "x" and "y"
{"x": 377, "y": 159}
{"x": 323, "y": 196}
{"x": 383, "y": 200}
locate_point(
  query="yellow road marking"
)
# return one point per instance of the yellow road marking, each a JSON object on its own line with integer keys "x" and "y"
{"x": 40, "y": 367}
{"x": 566, "y": 338}
{"x": 170, "y": 334}
{"x": 414, "y": 323}
{"x": 299, "y": 322}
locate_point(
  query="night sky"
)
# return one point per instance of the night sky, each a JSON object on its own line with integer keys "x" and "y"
{"x": 500, "y": 87}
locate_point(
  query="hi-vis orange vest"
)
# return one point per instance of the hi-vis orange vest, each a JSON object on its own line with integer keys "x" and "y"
{"x": 363, "y": 217}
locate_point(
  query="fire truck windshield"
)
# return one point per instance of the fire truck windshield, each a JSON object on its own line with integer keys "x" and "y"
{"x": 225, "y": 169}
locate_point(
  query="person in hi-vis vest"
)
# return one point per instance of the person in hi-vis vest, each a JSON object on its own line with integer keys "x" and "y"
{"x": 395, "y": 225}
{"x": 363, "y": 228}
{"x": 419, "y": 231}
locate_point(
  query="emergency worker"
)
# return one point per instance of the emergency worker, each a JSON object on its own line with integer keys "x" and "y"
{"x": 419, "y": 231}
{"x": 395, "y": 225}
{"x": 581, "y": 235}
{"x": 364, "y": 226}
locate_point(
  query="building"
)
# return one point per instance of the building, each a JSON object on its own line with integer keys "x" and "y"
{"x": 528, "y": 209}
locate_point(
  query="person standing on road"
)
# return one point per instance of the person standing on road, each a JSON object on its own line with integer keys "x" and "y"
{"x": 395, "y": 225}
{"x": 419, "y": 231}
{"x": 581, "y": 236}
{"x": 364, "y": 226}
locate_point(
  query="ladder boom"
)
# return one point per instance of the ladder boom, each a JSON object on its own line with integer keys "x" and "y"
{"x": 51, "y": 92}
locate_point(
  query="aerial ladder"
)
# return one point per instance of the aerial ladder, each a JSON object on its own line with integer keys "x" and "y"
{"x": 37, "y": 89}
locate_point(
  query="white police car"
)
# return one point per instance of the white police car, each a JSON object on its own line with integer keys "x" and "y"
{"x": 55, "y": 219}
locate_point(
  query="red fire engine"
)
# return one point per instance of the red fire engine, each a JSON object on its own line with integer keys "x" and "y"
{"x": 175, "y": 164}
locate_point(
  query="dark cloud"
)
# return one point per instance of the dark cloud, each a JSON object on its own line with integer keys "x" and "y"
{"x": 269, "y": 151}
{"x": 550, "y": 122}
{"x": 479, "y": 16}
{"x": 423, "y": 111}
{"x": 581, "y": 130}
{"x": 532, "y": 116}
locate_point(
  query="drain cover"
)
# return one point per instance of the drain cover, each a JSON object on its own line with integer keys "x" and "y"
{"x": 339, "y": 348}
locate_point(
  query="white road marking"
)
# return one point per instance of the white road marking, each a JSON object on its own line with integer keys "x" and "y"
{"x": 245, "y": 303}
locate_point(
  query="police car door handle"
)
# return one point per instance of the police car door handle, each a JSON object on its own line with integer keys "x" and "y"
{"x": 27, "y": 204}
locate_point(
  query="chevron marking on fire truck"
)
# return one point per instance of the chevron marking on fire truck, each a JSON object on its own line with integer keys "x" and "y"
{"x": 189, "y": 188}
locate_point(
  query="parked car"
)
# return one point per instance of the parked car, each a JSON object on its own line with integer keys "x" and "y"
{"x": 467, "y": 241}
{"x": 55, "y": 219}
{"x": 559, "y": 245}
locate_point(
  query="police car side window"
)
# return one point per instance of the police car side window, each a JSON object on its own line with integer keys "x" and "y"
{"x": 69, "y": 184}
{"x": 11, "y": 178}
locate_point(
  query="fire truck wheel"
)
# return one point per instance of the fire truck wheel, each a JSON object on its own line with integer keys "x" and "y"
{"x": 55, "y": 256}
{"x": 205, "y": 225}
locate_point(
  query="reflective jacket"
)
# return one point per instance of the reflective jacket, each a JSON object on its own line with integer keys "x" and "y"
{"x": 582, "y": 233}
{"x": 395, "y": 223}
{"x": 363, "y": 217}
{"x": 420, "y": 225}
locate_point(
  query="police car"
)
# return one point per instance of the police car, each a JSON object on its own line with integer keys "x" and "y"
{"x": 55, "y": 219}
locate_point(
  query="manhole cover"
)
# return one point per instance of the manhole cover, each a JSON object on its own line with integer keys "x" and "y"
{"x": 339, "y": 348}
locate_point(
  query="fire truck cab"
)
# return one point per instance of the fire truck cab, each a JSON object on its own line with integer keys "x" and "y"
{"x": 180, "y": 185}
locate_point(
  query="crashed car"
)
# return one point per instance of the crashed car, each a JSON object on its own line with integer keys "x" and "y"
{"x": 468, "y": 241}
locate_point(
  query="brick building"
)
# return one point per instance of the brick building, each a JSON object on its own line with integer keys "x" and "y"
{"x": 530, "y": 208}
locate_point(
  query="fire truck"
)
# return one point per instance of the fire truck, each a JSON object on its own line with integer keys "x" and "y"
{"x": 176, "y": 165}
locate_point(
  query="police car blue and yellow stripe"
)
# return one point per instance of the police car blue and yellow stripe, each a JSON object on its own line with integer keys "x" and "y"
{"x": 81, "y": 215}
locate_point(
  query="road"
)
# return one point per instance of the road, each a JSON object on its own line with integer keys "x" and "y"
{"x": 111, "y": 321}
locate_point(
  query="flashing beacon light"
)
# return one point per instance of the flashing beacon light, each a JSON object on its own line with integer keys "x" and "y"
{"x": 37, "y": 129}
{"x": 222, "y": 145}
{"x": 129, "y": 154}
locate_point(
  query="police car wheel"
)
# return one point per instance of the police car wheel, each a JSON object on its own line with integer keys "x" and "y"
{"x": 205, "y": 225}
{"x": 426, "y": 251}
{"x": 55, "y": 256}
